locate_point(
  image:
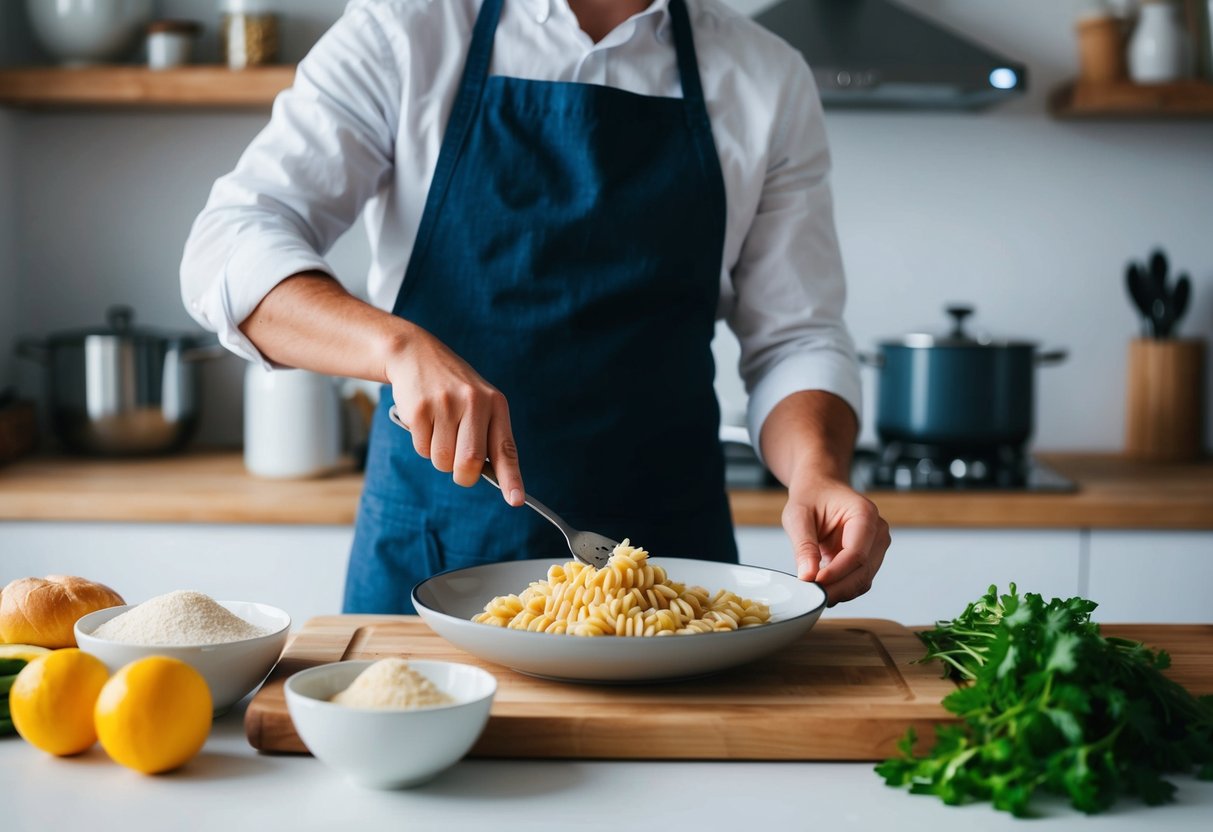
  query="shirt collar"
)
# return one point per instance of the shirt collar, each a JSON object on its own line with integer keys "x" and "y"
{"x": 542, "y": 10}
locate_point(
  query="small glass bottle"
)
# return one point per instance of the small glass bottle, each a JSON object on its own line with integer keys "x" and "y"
{"x": 248, "y": 33}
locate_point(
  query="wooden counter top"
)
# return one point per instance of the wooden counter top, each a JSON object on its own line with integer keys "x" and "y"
{"x": 213, "y": 487}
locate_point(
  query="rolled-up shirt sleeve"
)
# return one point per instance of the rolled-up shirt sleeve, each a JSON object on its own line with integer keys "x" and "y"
{"x": 300, "y": 184}
{"x": 789, "y": 278}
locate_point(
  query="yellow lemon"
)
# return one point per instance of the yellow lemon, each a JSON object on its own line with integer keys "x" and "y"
{"x": 154, "y": 714}
{"x": 52, "y": 701}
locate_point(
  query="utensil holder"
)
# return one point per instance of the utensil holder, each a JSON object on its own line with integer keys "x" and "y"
{"x": 1165, "y": 402}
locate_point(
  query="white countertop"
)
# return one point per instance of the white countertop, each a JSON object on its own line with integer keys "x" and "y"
{"x": 231, "y": 787}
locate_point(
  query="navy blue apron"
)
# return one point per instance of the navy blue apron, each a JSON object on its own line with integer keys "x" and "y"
{"x": 570, "y": 252}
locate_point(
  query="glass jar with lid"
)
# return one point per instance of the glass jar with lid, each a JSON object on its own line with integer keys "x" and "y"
{"x": 248, "y": 33}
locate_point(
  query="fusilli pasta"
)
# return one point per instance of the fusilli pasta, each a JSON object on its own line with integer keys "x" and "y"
{"x": 627, "y": 597}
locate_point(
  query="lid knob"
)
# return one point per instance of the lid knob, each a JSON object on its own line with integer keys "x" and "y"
{"x": 959, "y": 313}
{"x": 120, "y": 318}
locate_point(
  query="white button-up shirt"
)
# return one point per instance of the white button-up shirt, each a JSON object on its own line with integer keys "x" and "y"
{"x": 360, "y": 131}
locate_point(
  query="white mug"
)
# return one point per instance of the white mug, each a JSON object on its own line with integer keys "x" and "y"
{"x": 292, "y": 423}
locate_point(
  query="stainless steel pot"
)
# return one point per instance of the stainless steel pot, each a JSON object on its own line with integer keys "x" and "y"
{"x": 121, "y": 389}
{"x": 956, "y": 391}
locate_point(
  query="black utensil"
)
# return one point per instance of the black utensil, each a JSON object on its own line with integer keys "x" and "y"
{"x": 1158, "y": 273}
{"x": 1180, "y": 298}
{"x": 1139, "y": 291}
{"x": 1159, "y": 294}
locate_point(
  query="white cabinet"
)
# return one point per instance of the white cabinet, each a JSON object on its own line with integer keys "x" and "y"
{"x": 1155, "y": 576}
{"x": 930, "y": 574}
{"x": 298, "y": 568}
{"x": 1149, "y": 576}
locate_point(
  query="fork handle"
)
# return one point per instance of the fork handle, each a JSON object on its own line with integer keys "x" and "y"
{"x": 552, "y": 517}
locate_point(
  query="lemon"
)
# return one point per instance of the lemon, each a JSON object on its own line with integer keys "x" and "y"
{"x": 52, "y": 701}
{"x": 154, "y": 714}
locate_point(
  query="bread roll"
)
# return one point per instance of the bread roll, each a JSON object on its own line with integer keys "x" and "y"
{"x": 43, "y": 611}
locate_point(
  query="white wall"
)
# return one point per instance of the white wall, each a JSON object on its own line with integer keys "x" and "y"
{"x": 1030, "y": 219}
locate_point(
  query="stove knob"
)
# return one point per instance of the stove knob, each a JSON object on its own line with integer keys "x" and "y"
{"x": 958, "y": 469}
{"x": 926, "y": 472}
{"x": 903, "y": 477}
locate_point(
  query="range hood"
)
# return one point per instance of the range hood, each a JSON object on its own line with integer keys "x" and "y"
{"x": 879, "y": 54}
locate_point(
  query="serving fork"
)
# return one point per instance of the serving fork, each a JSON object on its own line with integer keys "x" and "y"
{"x": 590, "y": 548}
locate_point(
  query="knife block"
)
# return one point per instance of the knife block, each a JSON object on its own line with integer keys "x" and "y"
{"x": 1165, "y": 402}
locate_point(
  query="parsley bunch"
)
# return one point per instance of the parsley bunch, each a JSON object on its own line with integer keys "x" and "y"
{"x": 1047, "y": 703}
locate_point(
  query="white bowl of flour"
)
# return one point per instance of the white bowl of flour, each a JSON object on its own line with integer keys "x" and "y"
{"x": 233, "y": 644}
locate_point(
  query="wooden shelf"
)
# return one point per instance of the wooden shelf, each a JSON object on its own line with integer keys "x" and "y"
{"x": 1183, "y": 99}
{"x": 133, "y": 86}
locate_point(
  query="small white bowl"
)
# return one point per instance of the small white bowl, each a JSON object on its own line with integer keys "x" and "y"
{"x": 81, "y": 32}
{"x": 390, "y": 749}
{"x": 231, "y": 670}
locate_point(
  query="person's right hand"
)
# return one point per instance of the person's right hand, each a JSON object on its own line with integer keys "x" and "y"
{"x": 456, "y": 418}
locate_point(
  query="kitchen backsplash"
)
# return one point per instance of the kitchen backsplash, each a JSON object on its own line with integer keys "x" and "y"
{"x": 1028, "y": 218}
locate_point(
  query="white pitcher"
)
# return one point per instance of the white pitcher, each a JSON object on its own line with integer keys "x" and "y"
{"x": 1158, "y": 50}
{"x": 292, "y": 423}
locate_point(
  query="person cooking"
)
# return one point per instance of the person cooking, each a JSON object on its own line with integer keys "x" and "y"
{"x": 562, "y": 196}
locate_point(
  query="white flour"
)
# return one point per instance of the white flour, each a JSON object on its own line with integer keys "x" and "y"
{"x": 178, "y": 618}
{"x": 391, "y": 684}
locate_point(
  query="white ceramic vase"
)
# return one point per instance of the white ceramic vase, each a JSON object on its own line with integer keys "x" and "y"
{"x": 1158, "y": 50}
{"x": 82, "y": 32}
{"x": 292, "y": 423}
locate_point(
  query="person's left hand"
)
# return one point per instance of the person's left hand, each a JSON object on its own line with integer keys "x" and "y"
{"x": 838, "y": 536}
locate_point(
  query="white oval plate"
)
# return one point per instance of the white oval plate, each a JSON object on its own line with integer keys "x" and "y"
{"x": 448, "y": 601}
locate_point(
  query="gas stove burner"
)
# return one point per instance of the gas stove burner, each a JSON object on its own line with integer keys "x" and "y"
{"x": 907, "y": 466}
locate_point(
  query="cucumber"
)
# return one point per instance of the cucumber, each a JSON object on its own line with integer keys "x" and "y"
{"x": 8, "y": 667}
{"x": 24, "y": 652}
{"x": 6, "y": 727}
{"x": 4, "y": 713}
{"x": 6, "y": 682}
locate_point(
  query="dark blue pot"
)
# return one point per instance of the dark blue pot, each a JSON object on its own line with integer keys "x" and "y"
{"x": 956, "y": 391}
{"x": 959, "y": 397}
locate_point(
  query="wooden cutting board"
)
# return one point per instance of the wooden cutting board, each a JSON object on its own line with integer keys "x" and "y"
{"x": 847, "y": 691}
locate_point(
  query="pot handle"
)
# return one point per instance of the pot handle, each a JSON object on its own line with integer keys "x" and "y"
{"x": 206, "y": 352}
{"x": 1051, "y": 357}
{"x": 34, "y": 350}
{"x": 871, "y": 359}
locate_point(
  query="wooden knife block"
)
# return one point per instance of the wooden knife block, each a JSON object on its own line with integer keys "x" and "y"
{"x": 1165, "y": 402}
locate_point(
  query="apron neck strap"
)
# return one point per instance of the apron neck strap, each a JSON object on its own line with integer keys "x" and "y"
{"x": 480, "y": 51}
{"x": 476, "y": 69}
{"x": 688, "y": 62}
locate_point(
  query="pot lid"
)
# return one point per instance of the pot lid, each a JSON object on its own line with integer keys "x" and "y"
{"x": 120, "y": 322}
{"x": 957, "y": 336}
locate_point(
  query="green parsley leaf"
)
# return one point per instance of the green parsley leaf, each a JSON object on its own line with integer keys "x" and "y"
{"x": 1046, "y": 703}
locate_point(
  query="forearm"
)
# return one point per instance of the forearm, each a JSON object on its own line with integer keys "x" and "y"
{"x": 311, "y": 322}
{"x": 809, "y": 435}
